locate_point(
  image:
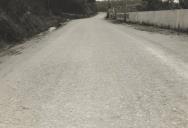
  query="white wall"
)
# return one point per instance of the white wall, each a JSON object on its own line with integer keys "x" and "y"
{"x": 176, "y": 19}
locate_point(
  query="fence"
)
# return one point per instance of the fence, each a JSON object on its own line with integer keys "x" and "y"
{"x": 175, "y": 19}
{"x": 121, "y": 17}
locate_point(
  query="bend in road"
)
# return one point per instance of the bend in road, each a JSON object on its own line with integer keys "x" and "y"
{"x": 95, "y": 74}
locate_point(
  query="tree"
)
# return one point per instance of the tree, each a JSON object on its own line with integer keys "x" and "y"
{"x": 54, "y": 6}
{"x": 151, "y": 5}
{"x": 184, "y": 4}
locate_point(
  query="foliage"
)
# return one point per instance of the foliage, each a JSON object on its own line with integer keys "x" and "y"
{"x": 20, "y": 19}
{"x": 184, "y": 4}
{"x": 153, "y": 5}
{"x": 102, "y": 6}
{"x": 39, "y": 6}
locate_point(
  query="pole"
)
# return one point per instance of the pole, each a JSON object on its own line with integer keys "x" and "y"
{"x": 126, "y": 10}
{"x": 49, "y": 8}
{"x": 126, "y": 6}
{"x": 124, "y": 2}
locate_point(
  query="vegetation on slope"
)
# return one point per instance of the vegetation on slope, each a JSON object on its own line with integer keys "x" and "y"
{"x": 21, "y": 19}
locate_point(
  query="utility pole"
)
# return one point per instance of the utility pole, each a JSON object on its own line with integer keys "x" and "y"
{"x": 108, "y": 4}
{"x": 125, "y": 9}
{"x": 49, "y": 7}
{"x": 126, "y": 2}
{"x": 124, "y": 6}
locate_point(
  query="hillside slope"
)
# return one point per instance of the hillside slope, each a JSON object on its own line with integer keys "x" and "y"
{"x": 20, "y": 19}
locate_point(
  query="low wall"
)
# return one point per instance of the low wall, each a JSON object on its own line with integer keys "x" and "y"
{"x": 175, "y": 19}
{"x": 120, "y": 16}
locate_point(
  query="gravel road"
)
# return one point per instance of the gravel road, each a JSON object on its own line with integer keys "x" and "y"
{"x": 92, "y": 73}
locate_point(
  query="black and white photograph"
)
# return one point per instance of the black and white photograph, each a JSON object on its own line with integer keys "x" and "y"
{"x": 93, "y": 63}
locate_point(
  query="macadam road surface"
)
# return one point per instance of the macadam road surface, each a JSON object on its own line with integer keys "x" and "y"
{"x": 92, "y": 73}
